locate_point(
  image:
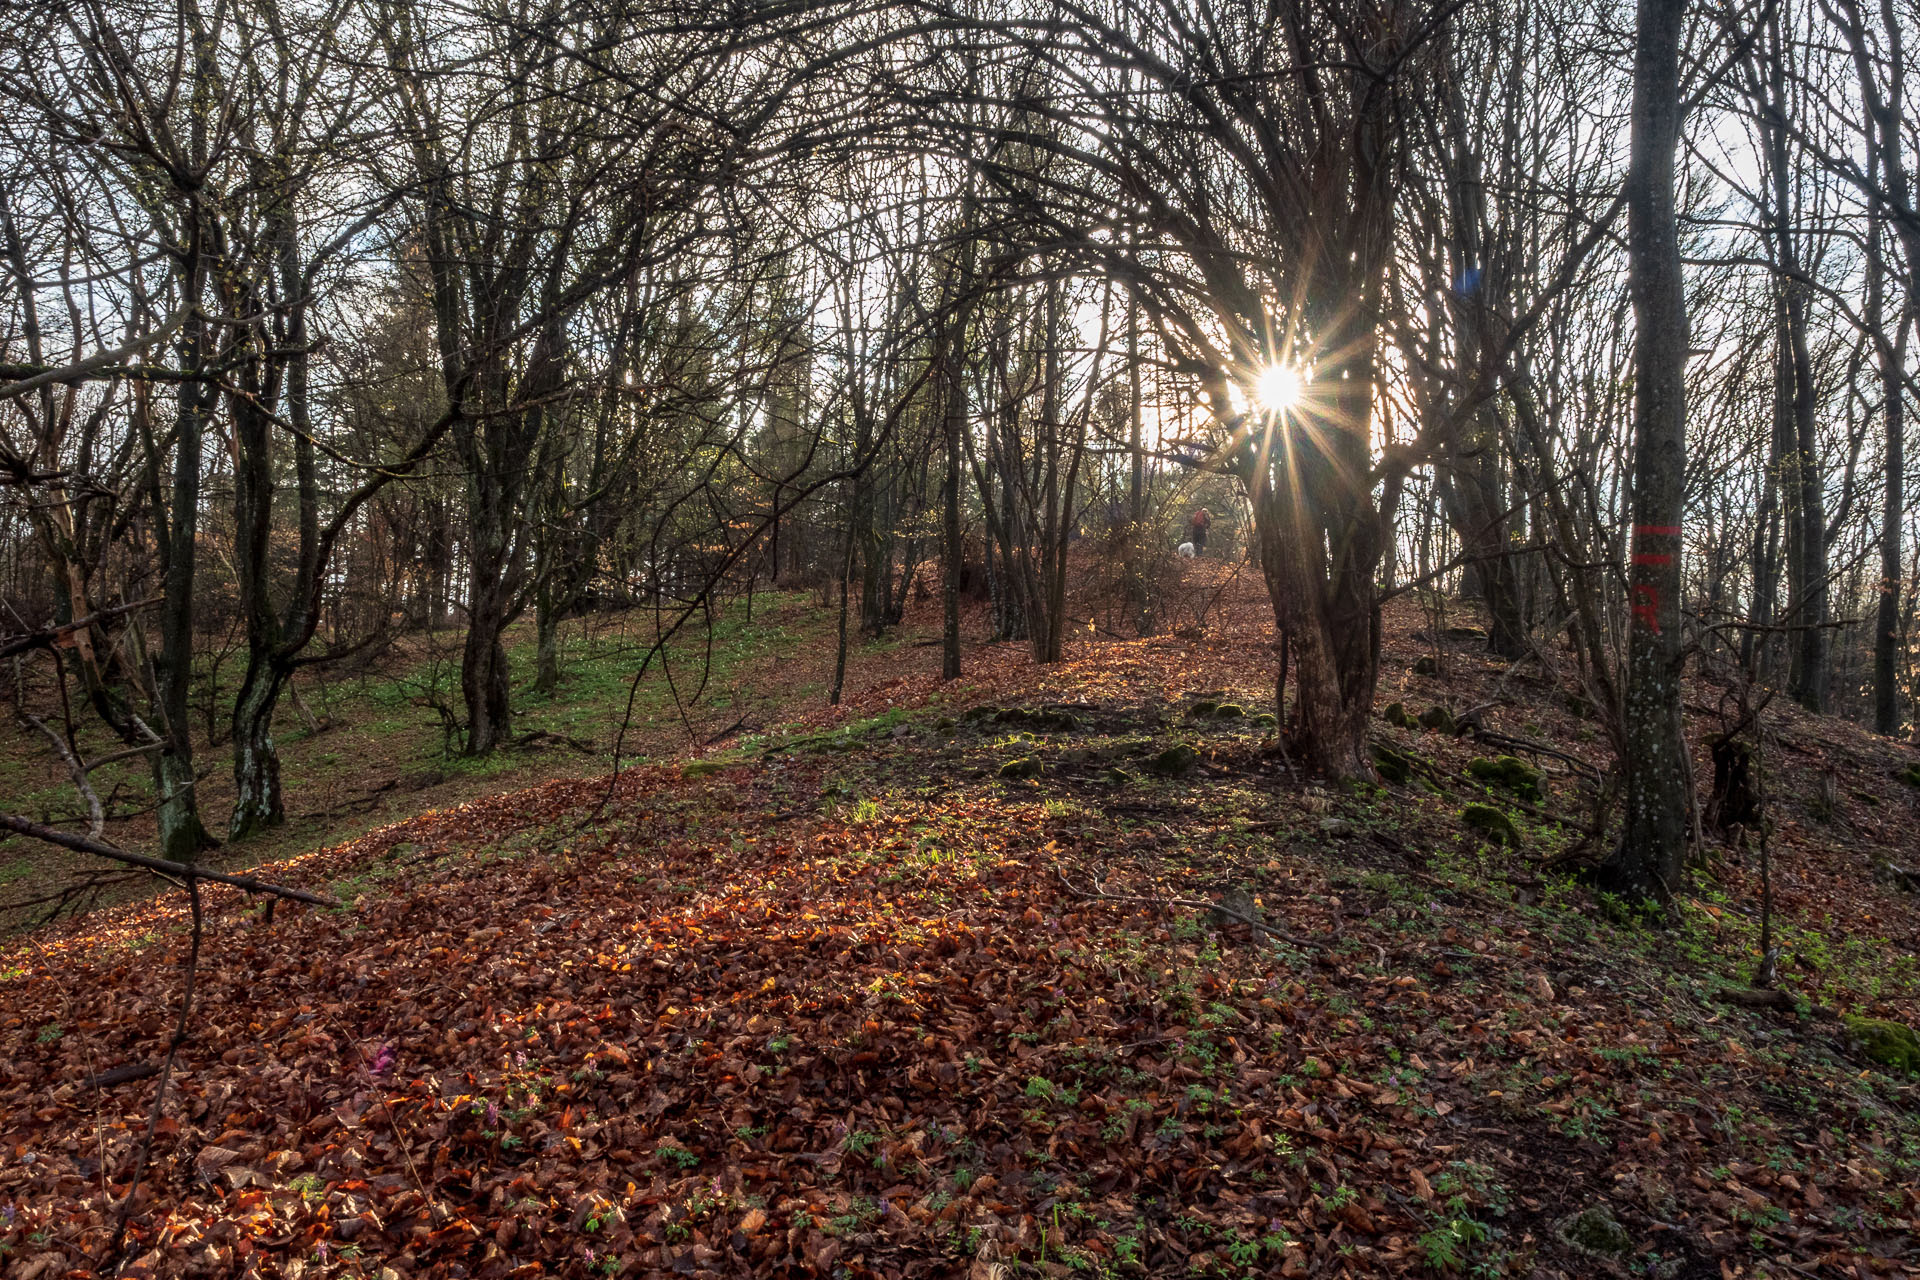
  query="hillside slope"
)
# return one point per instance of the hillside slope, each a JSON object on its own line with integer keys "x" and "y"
{"x": 927, "y": 986}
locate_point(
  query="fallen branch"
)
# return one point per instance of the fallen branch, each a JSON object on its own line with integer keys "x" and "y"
{"x": 1192, "y": 904}
{"x": 191, "y": 874}
{"x": 1774, "y": 998}
{"x": 166, "y": 1074}
{"x": 530, "y": 740}
{"x": 52, "y": 637}
{"x": 125, "y": 1073}
{"x": 77, "y": 770}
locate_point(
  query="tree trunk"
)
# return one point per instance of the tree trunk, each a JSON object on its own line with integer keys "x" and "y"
{"x": 484, "y": 682}
{"x": 546, "y": 627}
{"x": 953, "y": 388}
{"x": 257, "y": 802}
{"x": 1650, "y": 860}
{"x": 1886, "y": 634}
{"x": 182, "y": 835}
{"x": 1140, "y": 605}
{"x": 1803, "y": 483}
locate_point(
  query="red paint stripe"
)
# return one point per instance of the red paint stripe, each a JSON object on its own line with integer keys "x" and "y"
{"x": 1659, "y": 530}
{"x": 1648, "y": 557}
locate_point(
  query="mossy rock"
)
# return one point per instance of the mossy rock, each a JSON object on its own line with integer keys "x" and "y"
{"x": 1399, "y": 717}
{"x": 1910, "y": 775}
{"x": 1229, "y": 711}
{"x": 702, "y": 768}
{"x": 979, "y": 715}
{"x": 1203, "y": 709}
{"x": 1021, "y": 768}
{"x": 1393, "y": 766}
{"x": 1595, "y": 1230}
{"x": 1175, "y": 761}
{"x": 945, "y": 724}
{"x": 1119, "y": 777}
{"x": 1491, "y": 823}
{"x": 1465, "y": 633}
{"x": 1437, "y": 718}
{"x": 1267, "y": 720}
{"x": 1511, "y": 772}
{"x": 1426, "y": 666}
{"x": 1891, "y": 1044}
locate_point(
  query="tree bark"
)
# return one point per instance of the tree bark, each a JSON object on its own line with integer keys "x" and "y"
{"x": 181, "y": 834}
{"x": 1649, "y": 863}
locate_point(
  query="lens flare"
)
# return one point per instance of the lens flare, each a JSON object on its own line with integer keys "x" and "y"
{"x": 1277, "y": 388}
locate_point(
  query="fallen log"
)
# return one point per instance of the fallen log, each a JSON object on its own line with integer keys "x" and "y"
{"x": 180, "y": 870}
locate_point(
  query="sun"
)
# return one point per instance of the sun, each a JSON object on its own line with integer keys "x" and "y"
{"x": 1277, "y": 388}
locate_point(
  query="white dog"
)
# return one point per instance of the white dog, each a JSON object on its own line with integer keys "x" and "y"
{"x": 1185, "y": 550}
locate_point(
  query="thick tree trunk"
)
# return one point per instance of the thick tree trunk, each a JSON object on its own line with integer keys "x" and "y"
{"x": 1334, "y": 639}
{"x": 257, "y": 803}
{"x": 546, "y": 629}
{"x": 484, "y": 677}
{"x": 1651, "y": 858}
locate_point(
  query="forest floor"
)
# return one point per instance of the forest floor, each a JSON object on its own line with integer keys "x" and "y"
{"x": 926, "y": 985}
{"x": 365, "y": 743}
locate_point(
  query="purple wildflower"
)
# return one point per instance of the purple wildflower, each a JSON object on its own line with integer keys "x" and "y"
{"x": 382, "y": 1061}
{"x": 493, "y": 1112}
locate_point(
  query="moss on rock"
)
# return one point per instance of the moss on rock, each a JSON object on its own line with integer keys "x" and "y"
{"x": 1511, "y": 772}
{"x": 1437, "y": 718}
{"x": 1595, "y": 1230}
{"x": 1891, "y": 1044}
{"x": 1399, "y": 717}
{"x": 1175, "y": 761}
{"x": 1491, "y": 823}
{"x": 1023, "y": 767}
{"x": 1393, "y": 766}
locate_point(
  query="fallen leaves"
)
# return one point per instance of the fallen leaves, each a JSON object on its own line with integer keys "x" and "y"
{"x": 819, "y": 1013}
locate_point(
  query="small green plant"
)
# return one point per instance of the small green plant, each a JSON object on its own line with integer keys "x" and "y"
{"x": 50, "y": 1033}
{"x": 1448, "y": 1246}
{"x": 673, "y": 1151}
